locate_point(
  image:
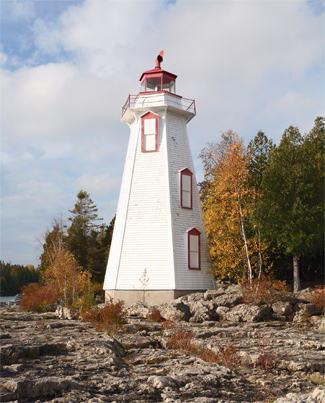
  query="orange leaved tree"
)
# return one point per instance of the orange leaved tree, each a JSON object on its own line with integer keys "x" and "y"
{"x": 226, "y": 203}
{"x": 66, "y": 276}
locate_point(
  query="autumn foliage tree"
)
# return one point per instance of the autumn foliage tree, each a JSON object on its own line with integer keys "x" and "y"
{"x": 55, "y": 242}
{"x": 66, "y": 277}
{"x": 226, "y": 204}
{"x": 265, "y": 204}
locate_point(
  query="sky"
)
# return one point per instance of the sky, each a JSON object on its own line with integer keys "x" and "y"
{"x": 67, "y": 68}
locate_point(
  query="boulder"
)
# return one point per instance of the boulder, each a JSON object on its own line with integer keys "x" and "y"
{"x": 303, "y": 295}
{"x": 202, "y": 311}
{"x": 46, "y": 386}
{"x": 305, "y": 311}
{"x": 308, "y": 309}
{"x": 161, "y": 382}
{"x": 282, "y": 310}
{"x": 222, "y": 310}
{"x": 321, "y": 325}
{"x": 228, "y": 299}
{"x": 175, "y": 310}
{"x": 62, "y": 312}
{"x": 212, "y": 294}
{"x": 316, "y": 396}
{"x": 196, "y": 296}
{"x": 138, "y": 309}
{"x": 246, "y": 313}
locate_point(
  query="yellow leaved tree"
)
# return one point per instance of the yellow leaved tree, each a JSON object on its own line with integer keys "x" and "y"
{"x": 66, "y": 276}
{"x": 227, "y": 204}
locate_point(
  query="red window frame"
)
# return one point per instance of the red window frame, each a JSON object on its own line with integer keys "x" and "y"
{"x": 196, "y": 233}
{"x": 149, "y": 115}
{"x": 186, "y": 172}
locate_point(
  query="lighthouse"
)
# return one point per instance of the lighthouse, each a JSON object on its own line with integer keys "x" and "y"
{"x": 159, "y": 248}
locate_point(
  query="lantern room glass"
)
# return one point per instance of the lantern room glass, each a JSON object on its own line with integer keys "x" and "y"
{"x": 169, "y": 86}
{"x": 160, "y": 83}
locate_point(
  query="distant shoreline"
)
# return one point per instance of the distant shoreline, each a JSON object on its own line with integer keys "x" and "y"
{"x": 5, "y": 298}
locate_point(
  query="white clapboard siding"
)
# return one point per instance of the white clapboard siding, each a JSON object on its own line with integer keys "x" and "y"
{"x": 151, "y": 227}
{"x": 179, "y": 155}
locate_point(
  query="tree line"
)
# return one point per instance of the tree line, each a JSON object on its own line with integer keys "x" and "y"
{"x": 263, "y": 210}
{"x": 86, "y": 239}
{"x": 263, "y": 205}
{"x": 72, "y": 255}
{"x": 14, "y": 276}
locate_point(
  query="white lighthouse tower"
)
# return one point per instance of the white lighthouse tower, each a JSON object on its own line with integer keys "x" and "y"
{"x": 159, "y": 246}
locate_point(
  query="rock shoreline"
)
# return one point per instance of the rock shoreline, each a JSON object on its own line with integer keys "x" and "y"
{"x": 47, "y": 358}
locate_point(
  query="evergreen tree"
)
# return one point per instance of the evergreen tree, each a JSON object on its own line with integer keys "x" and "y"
{"x": 83, "y": 234}
{"x": 258, "y": 152}
{"x": 107, "y": 238}
{"x": 314, "y": 162}
{"x": 86, "y": 239}
{"x": 14, "y": 276}
{"x": 293, "y": 194}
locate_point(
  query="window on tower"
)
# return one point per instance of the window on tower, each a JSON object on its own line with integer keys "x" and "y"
{"x": 149, "y": 127}
{"x": 186, "y": 188}
{"x": 194, "y": 249}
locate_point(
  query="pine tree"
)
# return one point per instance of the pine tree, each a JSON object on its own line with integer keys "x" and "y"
{"x": 293, "y": 194}
{"x": 84, "y": 233}
{"x": 258, "y": 151}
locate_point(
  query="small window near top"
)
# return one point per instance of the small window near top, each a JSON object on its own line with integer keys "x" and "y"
{"x": 149, "y": 123}
{"x": 194, "y": 249}
{"x": 186, "y": 188}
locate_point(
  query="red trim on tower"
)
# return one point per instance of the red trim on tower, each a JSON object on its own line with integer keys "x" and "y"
{"x": 186, "y": 172}
{"x": 157, "y": 73}
{"x": 149, "y": 115}
{"x": 194, "y": 257}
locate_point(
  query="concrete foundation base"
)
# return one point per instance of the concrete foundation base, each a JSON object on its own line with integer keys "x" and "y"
{"x": 150, "y": 297}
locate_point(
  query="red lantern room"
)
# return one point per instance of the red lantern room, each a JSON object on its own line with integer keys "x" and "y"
{"x": 158, "y": 79}
{"x": 158, "y": 88}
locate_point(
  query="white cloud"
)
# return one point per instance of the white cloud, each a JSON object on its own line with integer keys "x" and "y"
{"x": 18, "y": 9}
{"x": 250, "y": 65}
{"x": 227, "y": 54}
{"x": 100, "y": 185}
{"x": 3, "y": 58}
{"x": 46, "y": 36}
{"x": 55, "y": 100}
{"x": 99, "y": 34}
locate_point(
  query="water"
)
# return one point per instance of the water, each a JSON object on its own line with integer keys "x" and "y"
{"x": 6, "y": 299}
